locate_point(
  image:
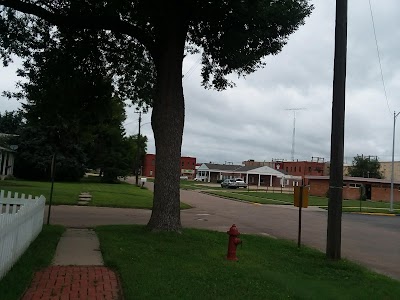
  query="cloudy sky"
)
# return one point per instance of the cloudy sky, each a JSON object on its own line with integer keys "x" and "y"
{"x": 252, "y": 120}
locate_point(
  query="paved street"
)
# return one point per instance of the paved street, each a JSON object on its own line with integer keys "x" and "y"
{"x": 372, "y": 240}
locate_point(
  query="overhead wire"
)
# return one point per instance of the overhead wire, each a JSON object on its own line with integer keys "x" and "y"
{"x": 379, "y": 56}
{"x": 192, "y": 68}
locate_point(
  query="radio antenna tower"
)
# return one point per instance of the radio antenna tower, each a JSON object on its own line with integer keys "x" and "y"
{"x": 294, "y": 128}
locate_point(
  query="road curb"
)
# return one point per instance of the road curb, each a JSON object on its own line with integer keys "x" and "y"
{"x": 374, "y": 214}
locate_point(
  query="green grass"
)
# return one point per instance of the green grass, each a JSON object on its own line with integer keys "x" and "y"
{"x": 103, "y": 194}
{"x": 38, "y": 256}
{"x": 192, "y": 265}
{"x": 287, "y": 199}
{"x": 197, "y": 185}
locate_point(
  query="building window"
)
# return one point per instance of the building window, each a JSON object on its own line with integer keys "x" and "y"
{"x": 287, "y": 169}
{"x": 183, "y": 164}
{"x": 309, "y": 169}
{"x": 354, "y": 185}
{"x": 344, "y": 184}
{"x": 252, "y": 179}
{"x": 299, "y": 169}
{"x": 295, "y": 169}
{"x": 151, "y": 172}
{"x": 287, "y": 182}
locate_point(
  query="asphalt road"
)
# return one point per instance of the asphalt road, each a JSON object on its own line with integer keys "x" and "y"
{"x": 374, "y": 241}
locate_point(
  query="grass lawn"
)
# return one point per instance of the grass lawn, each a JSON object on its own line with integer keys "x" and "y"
{"x": 197, "y": 185}
{"x": 192, "y": 265}
{"x": 103, "y": 194}
{"x": 38, "y": 256}
{"x": 287, "y": 199}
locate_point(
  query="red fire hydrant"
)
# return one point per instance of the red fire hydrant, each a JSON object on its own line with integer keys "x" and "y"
{"x": 233, "y": 242}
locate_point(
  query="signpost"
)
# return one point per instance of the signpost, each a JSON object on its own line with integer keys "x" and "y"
{"x": 300, "y": 201}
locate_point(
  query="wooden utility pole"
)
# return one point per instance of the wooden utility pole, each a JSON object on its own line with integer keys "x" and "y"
{"x": 334, "y": 231}
{"x": 137, "y": 166}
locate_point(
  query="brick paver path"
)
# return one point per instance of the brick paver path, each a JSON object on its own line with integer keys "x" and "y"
{"x": 74, "y": 282}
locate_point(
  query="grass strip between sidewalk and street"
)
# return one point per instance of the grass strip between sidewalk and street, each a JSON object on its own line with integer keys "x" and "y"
{"x": 103, "y": 194}
{"x": 38, "y": 256}
{"x": 192, "y": 265}
{"x": 287, "y": 199}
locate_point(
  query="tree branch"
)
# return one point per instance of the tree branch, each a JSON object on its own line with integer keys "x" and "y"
{"x": 84, "y": 22}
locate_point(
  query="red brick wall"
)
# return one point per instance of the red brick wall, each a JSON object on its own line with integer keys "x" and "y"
{"x": 318, "y": 187}
{"x": 301, "y": 168}
{"x": 186, "y": 163}
{"x": 149, "y": 167}
{"x": 378, "y": 193}
{"x": 383, "y": 194}
{"x": 351, "y": 193}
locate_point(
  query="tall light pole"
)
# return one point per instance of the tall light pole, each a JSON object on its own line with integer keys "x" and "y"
{"x": 392, "y": 177}
{"x": 294, "y": 129}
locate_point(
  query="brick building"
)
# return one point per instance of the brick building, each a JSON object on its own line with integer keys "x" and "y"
{"x": 187, "y": 164}
{"x": 375, "y": 189}
{"x": 303, "y": 168}
{"x": 315, "y": 167}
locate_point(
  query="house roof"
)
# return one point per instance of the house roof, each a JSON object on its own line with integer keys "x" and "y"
{"x": 264, "y": 170}
{"x": 221, "y": 167}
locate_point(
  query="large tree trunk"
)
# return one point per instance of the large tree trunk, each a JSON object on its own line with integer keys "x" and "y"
{"x": 167, "y": 122}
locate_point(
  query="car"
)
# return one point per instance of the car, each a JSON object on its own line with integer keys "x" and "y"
{"x": 234, "y": 183}
{"x": 228, "y": 183}
{"x": 240, "y": 183}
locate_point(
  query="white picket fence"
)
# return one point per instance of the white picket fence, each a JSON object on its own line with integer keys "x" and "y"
{"x": 21, "y": 220}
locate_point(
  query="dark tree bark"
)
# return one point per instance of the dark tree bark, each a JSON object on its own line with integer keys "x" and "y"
{"x": 168, "y": 121}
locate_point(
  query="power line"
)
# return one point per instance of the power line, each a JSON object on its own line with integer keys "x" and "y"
{"x": 379, "y": 56}
{"x": 192, "y": 68}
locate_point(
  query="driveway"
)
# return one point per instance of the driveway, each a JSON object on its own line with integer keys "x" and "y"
{"x": 371, "y": 240}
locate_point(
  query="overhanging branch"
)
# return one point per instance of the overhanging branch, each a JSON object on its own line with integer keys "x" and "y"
{"x": 83, "y": 22}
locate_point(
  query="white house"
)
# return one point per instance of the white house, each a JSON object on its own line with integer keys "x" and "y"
{"x": 260, "y": 176}
{"x": 6, "y": 158}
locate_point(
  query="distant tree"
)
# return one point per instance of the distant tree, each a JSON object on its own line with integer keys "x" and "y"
{"x": 71, "y": 103}
{"x": 35, "y": 151}
{"x": 233, "y": 36}
{"x": 11, "y": 122}
{"x": 365, "y": 166}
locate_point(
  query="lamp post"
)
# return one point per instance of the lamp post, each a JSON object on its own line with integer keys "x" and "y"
{"x": 138, "y": 150}
{"x": 392, "y": 177}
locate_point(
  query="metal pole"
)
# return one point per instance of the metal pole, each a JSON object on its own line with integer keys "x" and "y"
{"x": 334, "y": 229}
{"x": 53, "y": 165}
{"x": 392, "y": 176}
{"x": 137, "y": 150}
{"x": 294, "y": 134}
{"x": 300, "y": 206}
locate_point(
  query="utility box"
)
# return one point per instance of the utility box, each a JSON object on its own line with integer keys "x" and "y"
{"x": 301, "y": 191}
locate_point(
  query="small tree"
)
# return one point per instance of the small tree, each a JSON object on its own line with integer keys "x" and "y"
{"x": 365, "y": 166}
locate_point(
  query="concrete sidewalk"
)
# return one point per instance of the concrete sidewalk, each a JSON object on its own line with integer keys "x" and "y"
{"x": 77, "y": 272}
